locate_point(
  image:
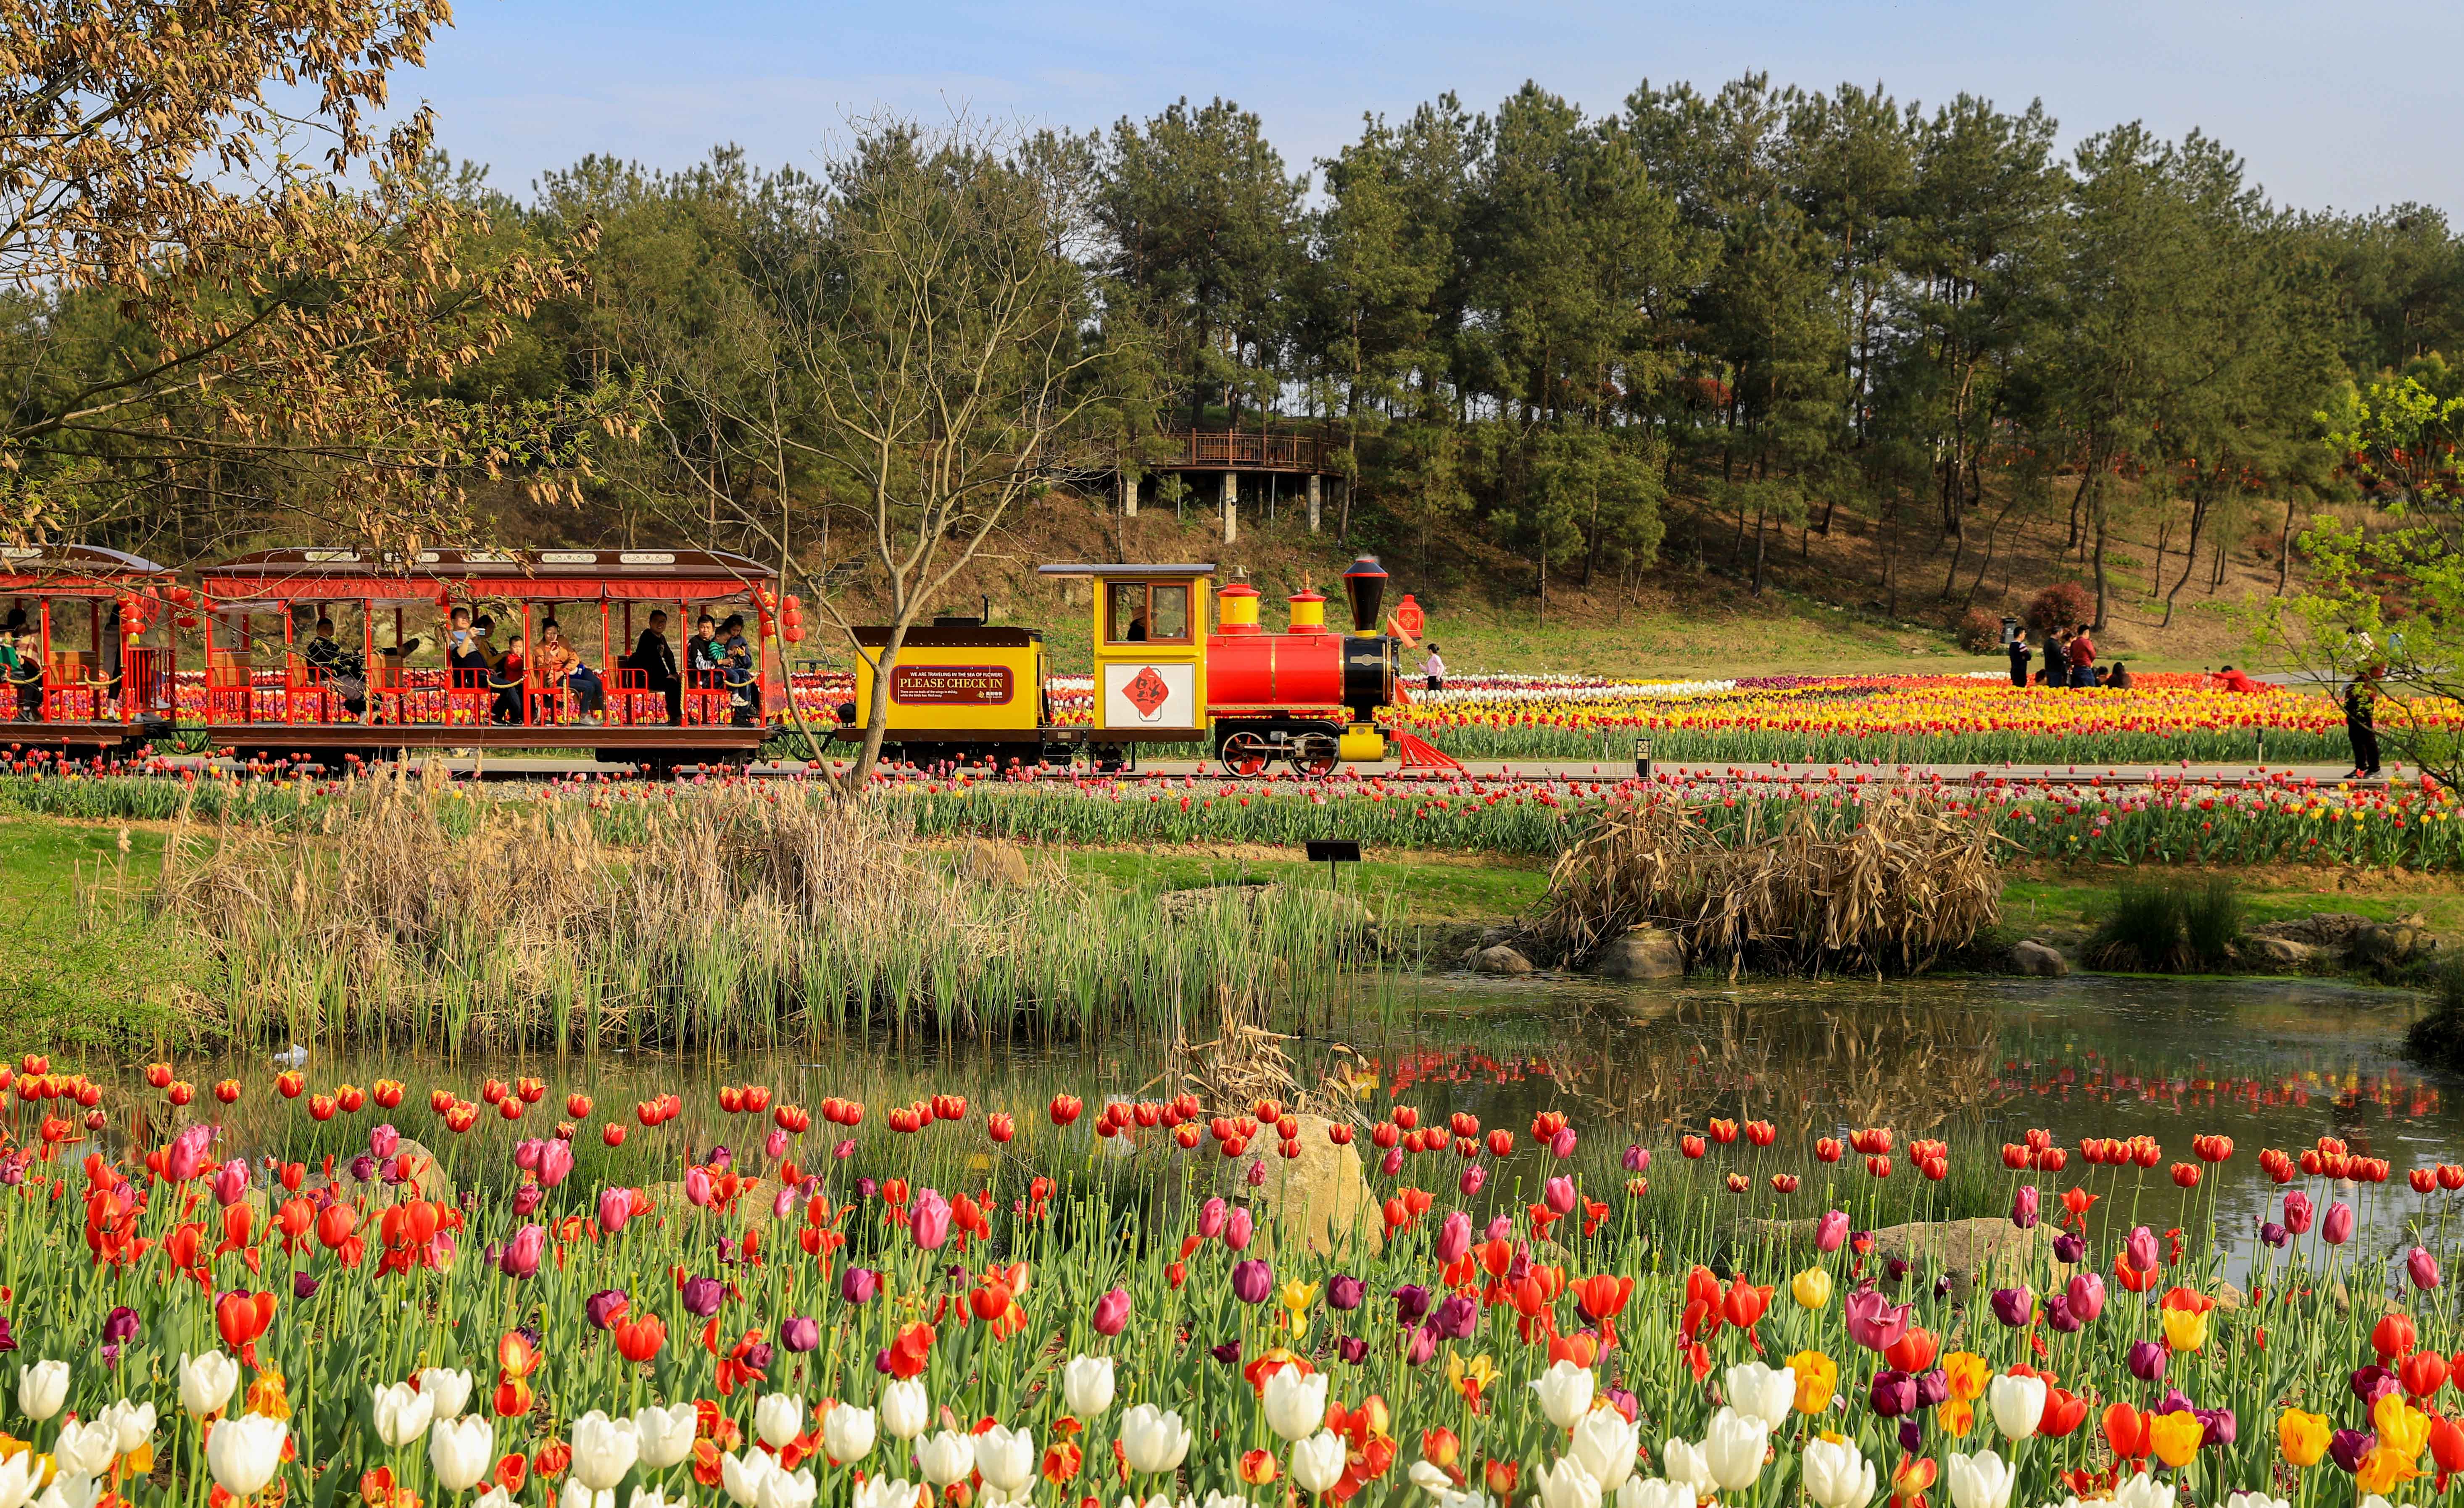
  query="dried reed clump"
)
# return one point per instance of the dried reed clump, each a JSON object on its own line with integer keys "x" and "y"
{"x": 1890, "y": 886}
{"x": 744, "y": 917}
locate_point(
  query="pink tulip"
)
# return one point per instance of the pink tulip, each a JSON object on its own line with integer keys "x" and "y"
{"x": 845, "y": 1149}
{"x": 1391, "y": 1162}
{"x": 384, "y": 1141}
{"x": 526, "y": 1154}
{"x": 1500, "y": 1228}
{"x": 1471, "y": 1180}
{"x": 1874, "y": 1321}
{"x": 1558, "y": 1194}
{"x": 1257, "y": 1174}
{"x": 1454, "y": 1237}
{"x": 1210, "y": 1219}
{"x": 1113, "y": 1312}
{"x": 1562, "y": 1145}
{"x": 2337, "y": 1227}
{"x": 1830, "y": 1231}
{"x": 2025, "y": 1204}
{"x": 615, "y": 1208}
{"x": 523, "y": 1253}
{"x": 1238, "y": 1227}
{"x": 187, "y": 1153}
{"x": 554, "y": 1162}
{"x": 929, "y": 1223}
{"x": 776, "y": 1142}
{"x": 2140, "y": 1248}
{"x": 230, "y": 1184}
{"x": 2422, "y": 1268}
{"x": 2297, "y": 1213}
{"x": 782, "y": 1203}
{"x": 697, "y": 1188}
{"x": 2085, "y": 1296}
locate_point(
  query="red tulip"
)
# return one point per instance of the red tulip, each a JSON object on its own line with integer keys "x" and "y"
{"x": 999, "y": 1126}
{"x": 158, "y": 1075}
{"x": 290, "y": 1085}
{"x": 1723, "y": 1133}
{"x": 2186, "y": 1175}
{"x": 1762, "y": 1133}
{"x": 1065, "y": 1109}
{"x": 181, "y": 1091}
{"x": 1404, "y": 1117}
{"x": 1828, "y": 1150}
{"x": 576, "y": 1105}
{"x": 1501, "y": 1142}
{"x": 1691, "y": 1145}
{"x": 1339, "y": 1133}
{"x": 1879, "y": 1167}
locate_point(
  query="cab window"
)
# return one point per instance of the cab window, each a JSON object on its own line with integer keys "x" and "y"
{"x": 1168, "y": 612}
{"x": 1136, "y": 612}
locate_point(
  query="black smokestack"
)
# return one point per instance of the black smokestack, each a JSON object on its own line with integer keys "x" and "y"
{"x": 1364, "y": 587}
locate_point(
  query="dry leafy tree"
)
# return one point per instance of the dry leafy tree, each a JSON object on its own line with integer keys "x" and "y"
{"x": 222, "y": 292}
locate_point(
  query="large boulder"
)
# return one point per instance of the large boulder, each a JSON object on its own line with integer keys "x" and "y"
{"x": 1645, "y": 953}
{"x": 2041, "y": 960}
{"x": 1318, "y": 1202}
{"x": 1501, "y": 960}
{"x": 2276, "y": 953}
{"x": 1988, "y": 1251}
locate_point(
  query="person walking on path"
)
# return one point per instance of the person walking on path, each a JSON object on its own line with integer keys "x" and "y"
{"x": 2361, "y": 714}
{"x": 2019, "y": 657}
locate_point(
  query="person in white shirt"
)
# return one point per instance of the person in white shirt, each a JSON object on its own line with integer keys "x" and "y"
{"x": 1435, "y": 668}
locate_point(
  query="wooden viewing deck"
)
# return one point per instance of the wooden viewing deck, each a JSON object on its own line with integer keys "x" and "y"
{"x": 1245, "y": 450}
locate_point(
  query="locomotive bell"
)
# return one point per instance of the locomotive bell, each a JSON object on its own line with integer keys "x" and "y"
{"x": 1364, "y": 586}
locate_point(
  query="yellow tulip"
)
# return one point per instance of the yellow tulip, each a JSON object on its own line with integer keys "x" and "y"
{"x": 2402, "y": 1427}
{"x": 1956, "y": 1417}
{"x": 2382, "y": 1469}
{"x": 2176, "y": 1436}
{"x": 2186, "y": 1329}
{"x": 2301, "y": 1438}
{"x": 1967, "y": 1372}
{"x": 1818, "y": 1378}
{"x": 1296, "y": 1294}
{"x": 1811, "y": 1288}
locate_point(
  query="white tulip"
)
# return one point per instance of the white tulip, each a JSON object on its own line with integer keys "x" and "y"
{"x": 1652, "y": 1492}
{"x": 1759, "y": 1392}
{"x": 578, "y": 1496}
{"x": 945, "y": 1457}
{"x": 1087, "y": 1385}
{"x": 1153, "y": 1439}
{"x": 1565, "y": 1393}
{"x": 787, "y": 1490}
{"x": 1734, "y": 1450}
{"x": 2231, "y": 1500}
{"x": 495, "y": 1497}
{"x": 905, "y": 1411}
{"x": 1318, "y": 1461}
{"x": 42, "y": 1388}
{"x": 449, "y": 1388}
{"x": 20, "y": 1475}
{"x": 2141, "y": 1491}
{"x": 2018, "y": 1405}
{"x": 1441, "y": 1487}
{"x": 778, "y": 1418}
{"x": 1836, "y": 1475}
{"x": 886, "y": 1491}
{"x": 1605, "y": 1443}
{"x": 1566, "y": 1484}
{"x": 1295, "y": 1403}
{"x": 740, "y": 1476}
{"x": 244, "y": 1454}
{"x": 461, "y": 1451}
{"x": 1006, "y": 1459}
{"x": 84, "y": 1450}
{"x": 1978, "y": 1481}
{"x": 604, "y": 1449}
{"x": 71, "y": 1491}
{"x": 663, "y": 1438}
{"x": 402, "y": 1413}
{"x": 207, "y": 1383}
{"x": 2374, "y": 1500}
{"x": 1220, "y": 1499}
{"x": 132, "y": 1424}
{"x": 1681, "y": 1462}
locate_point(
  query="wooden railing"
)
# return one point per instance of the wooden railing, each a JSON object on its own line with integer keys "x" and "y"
{"x": 1243, "y": 451}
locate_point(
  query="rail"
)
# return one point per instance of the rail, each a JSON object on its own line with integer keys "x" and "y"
{"x": 1243, "y": 451}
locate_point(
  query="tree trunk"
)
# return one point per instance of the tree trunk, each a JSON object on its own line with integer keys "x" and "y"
{"x": 2098, "y": 519}
{"x": 2284, "y": 549}
{"x": 1762, "y": 514}
{"x": 2189, "y": 555}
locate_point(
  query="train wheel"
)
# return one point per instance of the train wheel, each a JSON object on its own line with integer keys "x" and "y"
{"x": 1315, "y": 755}
{"x": 1246, "y": 753}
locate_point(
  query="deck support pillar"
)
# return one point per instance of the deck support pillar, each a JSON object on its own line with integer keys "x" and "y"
{"x": 1128, "y": 484}
{"x": 1313, "y": 501}
{"x": 1231, "y": 506}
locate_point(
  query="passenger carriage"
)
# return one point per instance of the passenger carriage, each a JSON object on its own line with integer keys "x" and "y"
{"x": 95, "y": 686}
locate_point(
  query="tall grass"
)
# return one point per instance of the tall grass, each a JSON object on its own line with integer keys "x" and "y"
{"x": 399, "y": 916}
{"x": 2171, "y": 928}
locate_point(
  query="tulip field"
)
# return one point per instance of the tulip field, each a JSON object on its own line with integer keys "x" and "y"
{"x": 228, "y": 1286}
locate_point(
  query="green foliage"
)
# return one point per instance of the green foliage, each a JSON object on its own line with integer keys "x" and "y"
{"x": 2171, "y": 926}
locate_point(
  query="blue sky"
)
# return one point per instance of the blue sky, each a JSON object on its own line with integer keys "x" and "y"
{"x": 2345, "y": 105}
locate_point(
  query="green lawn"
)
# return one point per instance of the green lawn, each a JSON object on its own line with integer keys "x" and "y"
{"x": 1411, "y": 892}
{"x": 80, "y": 969}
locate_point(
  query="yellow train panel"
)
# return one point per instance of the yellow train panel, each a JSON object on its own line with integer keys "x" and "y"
{"x": 978, "y": 682}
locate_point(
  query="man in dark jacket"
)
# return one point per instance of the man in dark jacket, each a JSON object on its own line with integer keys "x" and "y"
{"x": 2360, "y": 719}
{"x": 2019, "y": 657}
{"x": 657, "y": 659}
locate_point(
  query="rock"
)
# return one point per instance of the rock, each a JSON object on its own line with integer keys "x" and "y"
{"x": 2229, "y": 1297}
{"x": 427, "y": 1181}
{"x": 999, "y": 866}
{"x": 2332, "y": 931}
{"x": 1319, "y": 1202}
{"x": 1645, "y": 952}
{"x": 2277, "y": 952}
{"x": 1499, "y": 960}
{"x": 2390, "y": 944}
{"x": 1988, "y": 1251}
{"x": 1492, "y": 936}
{"x": 2039, "y": 959}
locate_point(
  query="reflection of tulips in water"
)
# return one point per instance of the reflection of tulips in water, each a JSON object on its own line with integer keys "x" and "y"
{"x": 925, "y": 1316}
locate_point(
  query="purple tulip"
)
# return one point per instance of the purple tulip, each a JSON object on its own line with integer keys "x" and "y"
{"x": 1892, "y": 1393}
{"x": 2371, "y": 1383}
{"x": 1411, "y": 1303}
{"x": 1471, "y": 1179}
{"x": 1562, "y": 1145}
{"x": 1637, "y": 1159}
{"x": 867, "y": 1187}
{"x": 1830, "y": 1231}
{"x": 2140, "y": 1248}
{"x": 1252, "y": 1280}
{"x": 1896, "y": 1268}
{"x": 1353, "y": 1349}
{"x": 799, "y": 1334}
{"x": 881, "y": 1360}
{"x": 702, "y": 1296}
{"x": 2221, "y": 1427}
{"x": 2058, "y": 1314}
{"x": 928, "y": 1223}
{"x": 1454, "y": 1237}
{"x": 615, "y": 1208}
{"x": 602, "y": 1307}
{"x": 384, "y": 1141}
{"x": 1344, "y": 1292}
{"x": 2146, "y": 1360}
{"x": 1423, "y": 1346}
{"x": 2273, "y": 1235}
{"x": 721, "y": 1158}
{"x": 2337, "y": 1227}
{"x": 526, "y": 1200}
{"x": 1210, "y": 1219}
{"x": 303, "y": 1286}
{"x": 1911, "y": 1435}
{"x": 1391, "y": 1162}
{"x": 1558, "y": 1194}
{"x": 1932, "y": 1388}
{"x": 2068, "y": 1249}
{"x": 1113, "y": 1312}
{"x": 2024, "y": 1203}
{"x": 2298, "y": 1212}
{"x": 758, "y": 1355}
{"x": 2012, "y": 1306}
{"x": 2422, "y": 1268}
{"x": 1228, "y": 1353}
{"x": 1238, "y": 1227}
{"x": 2086, "y": 1293}
{"x": 523, "y": 1253}
{"x": 858, "y": 1284}
{"x": 2346, "y": 1448}
{"x": 1456, "y": 1318}
{"x": 120, "y": 1325}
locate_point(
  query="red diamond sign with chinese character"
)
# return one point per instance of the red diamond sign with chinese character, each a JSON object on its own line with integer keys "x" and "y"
{"x": 1147, "y": 691}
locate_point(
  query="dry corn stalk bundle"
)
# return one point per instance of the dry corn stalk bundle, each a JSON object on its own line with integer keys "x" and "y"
{"x": 1891, "y": 886}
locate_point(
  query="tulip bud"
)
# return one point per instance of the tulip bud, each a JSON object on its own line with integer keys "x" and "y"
{"x": 2024, "y": 1204}
{"x": 1238, "y": 1227}
{"x": 1558, "y": 1193}
{"x": 2086, "y": 1295}
{"x": 2146, "y": 1360}
{"x": 2140, "y": 1248}
{"x": 615, "y": 1208}
{"x": 799, "y": 1334}
{"x": 1471, "y": 1180}
{"x": 2422, "y": 1268}
{"x": 1391, "y": 1162}
{"x": 1454, "y": 1237}
{"x": 1210, "y": 1218}
{"x": 858, "y": 1284}
{"x": 2068, "y": 1249}
{"x": 2337, "y": 1227}
{"x": 1830, "y": 1231}
{"x": 1562, "y": 1145}
{"x": 1637, "y": 1159}
{"x": 1113, "y": 1312}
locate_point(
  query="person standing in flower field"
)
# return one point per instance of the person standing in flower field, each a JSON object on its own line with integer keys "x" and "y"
{"x": 1435, "y": 668}
{"x": 2018, "y": 647}
{"x": 2361, "y": 716}
{"x": 2082, "y": 656}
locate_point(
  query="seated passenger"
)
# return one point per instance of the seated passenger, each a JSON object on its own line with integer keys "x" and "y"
{"x": 338, "y": 667}
{"x": 560, "y": 665}
{"x": 506, "y": 678}
{"x": 657, "y": 659}
{"x": 26, "y": 676}
{"x": 737, "y": 672}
